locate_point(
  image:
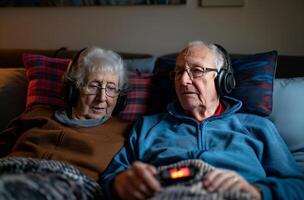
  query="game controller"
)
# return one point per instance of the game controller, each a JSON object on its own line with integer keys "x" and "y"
{"x": 176, "y": 175}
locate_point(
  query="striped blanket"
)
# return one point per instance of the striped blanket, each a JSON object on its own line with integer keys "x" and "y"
{"x": 193, "y": 189}
{"x": 29, "y": 178}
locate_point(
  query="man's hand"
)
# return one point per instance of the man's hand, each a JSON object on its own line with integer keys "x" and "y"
{"x": 225, "y": 180}
{"x": 137, "y": 182}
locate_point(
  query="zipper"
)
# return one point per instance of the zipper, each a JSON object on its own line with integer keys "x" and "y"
{"x": 202, "y": 139}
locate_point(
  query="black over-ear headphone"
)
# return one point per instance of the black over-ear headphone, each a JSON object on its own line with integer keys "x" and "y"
{"x": 225, "y": 81}
{"x": 71, "y": 90}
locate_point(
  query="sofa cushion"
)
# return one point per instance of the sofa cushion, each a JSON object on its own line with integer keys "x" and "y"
{"x": 45, "y": 79}
{"x": 162, "y": 91}
{"x": 288, "y": 114}
{"x": 137, "y": 96}
{"x": 144, "y": 65}
{"x": 254, "y": 76}
{"x": 13, "y": 85}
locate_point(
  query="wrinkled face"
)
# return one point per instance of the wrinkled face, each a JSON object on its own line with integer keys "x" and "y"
{"x": 98, "y": 97}
{"x": 195, "y": 92}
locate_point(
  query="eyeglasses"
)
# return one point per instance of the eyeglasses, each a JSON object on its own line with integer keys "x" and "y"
{"x": 94, "y": 88}
{"x": 193, "y": 72}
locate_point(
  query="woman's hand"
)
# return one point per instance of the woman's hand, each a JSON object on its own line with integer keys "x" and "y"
{"x": 137, "y": 182}
{"x": 225, "y": 180}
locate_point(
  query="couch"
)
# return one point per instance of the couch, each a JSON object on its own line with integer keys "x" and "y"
{"x": 271, "y": 85}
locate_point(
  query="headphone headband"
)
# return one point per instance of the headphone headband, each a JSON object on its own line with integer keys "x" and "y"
{"x": 226, "y": 57}
{"x": 74, "y": 60}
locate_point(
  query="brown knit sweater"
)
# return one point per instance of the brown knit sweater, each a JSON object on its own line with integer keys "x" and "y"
{"x": 36, "y": 134}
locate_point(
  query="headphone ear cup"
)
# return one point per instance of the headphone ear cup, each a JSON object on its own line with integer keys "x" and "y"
{"x": 120, "y": 104}
{"x": 74, "y": 95}
{"x": 225, "y": 82}
{"x": 229, "y": 82}
{"x": 70, "y": 92}
{"x": 219, "y": 82}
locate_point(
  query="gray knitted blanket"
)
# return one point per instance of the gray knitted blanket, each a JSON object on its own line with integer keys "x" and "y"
{"x": 193, "y": 189}
{"x": 29, "y": 178}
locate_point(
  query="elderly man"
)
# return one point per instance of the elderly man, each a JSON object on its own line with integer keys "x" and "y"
{"x": 205, "y": 123}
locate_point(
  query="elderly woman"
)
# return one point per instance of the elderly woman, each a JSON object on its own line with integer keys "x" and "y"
{"x": 78, "y": 133}
{"x": 92, "y": 84}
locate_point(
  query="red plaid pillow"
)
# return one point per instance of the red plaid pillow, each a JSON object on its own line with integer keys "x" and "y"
{"x": 45, "y": 79}
{"x": 137, "y": 96}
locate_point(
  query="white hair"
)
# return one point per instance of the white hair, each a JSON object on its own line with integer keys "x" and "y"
{"x": 95, "y": 59}
{"x": 219, "y": 57}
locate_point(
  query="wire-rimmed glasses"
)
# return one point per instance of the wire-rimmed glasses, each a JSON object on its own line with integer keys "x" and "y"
{"x": 94, "y": 87}
{"x": 193, "y": 72}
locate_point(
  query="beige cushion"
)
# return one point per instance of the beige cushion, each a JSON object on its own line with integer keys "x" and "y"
{"x": 13, "y": 88}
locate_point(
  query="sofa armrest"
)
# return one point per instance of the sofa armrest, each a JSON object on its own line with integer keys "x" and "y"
{"x": 13, "y": 87}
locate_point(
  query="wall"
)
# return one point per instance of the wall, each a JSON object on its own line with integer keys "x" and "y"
{"x": 260, "y": 25}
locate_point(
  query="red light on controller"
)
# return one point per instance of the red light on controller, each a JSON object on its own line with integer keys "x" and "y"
{"x": 179, "y": 173}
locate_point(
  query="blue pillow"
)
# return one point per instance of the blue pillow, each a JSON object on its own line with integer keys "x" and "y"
{"x": 254, "y": 76}
{"x": 288, "y": 114}
{"x": 162, "y": 90}
{"x": 143, "y": 65}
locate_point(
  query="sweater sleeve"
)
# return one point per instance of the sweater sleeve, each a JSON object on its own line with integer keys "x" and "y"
{"x": 284, "y": 180}
{"x": 121, "y": 161}
{"x": 36, "y": 116}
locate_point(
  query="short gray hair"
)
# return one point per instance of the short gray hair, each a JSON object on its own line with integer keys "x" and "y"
{"x": 219, "y": 57}
{"x": 95, "y": 59}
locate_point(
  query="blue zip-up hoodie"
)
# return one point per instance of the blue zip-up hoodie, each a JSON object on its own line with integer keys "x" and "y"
{"x": 246, "y": 143}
